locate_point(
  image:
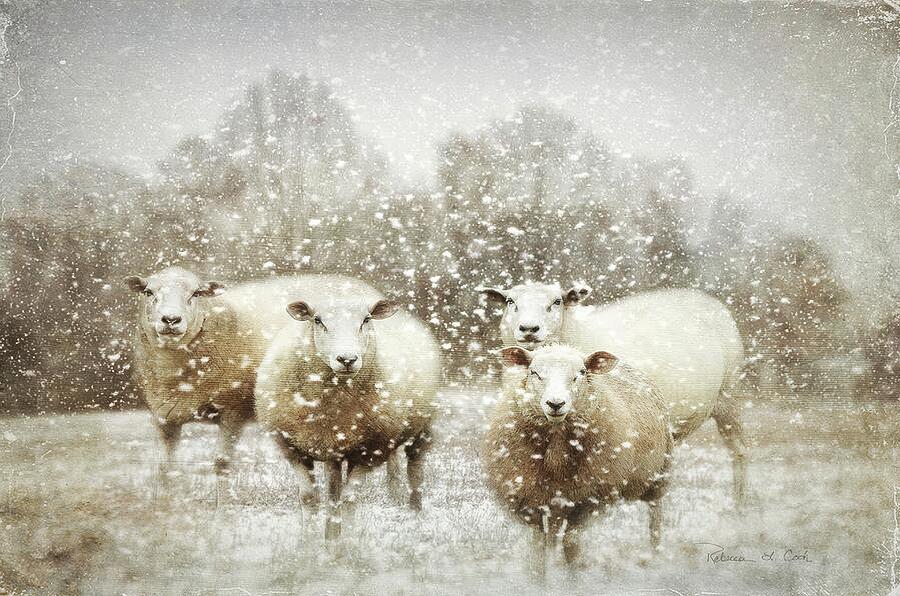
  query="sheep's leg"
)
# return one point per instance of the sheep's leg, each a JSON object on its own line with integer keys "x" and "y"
{"x": 394, "y": 482}
{"x": 333, "y": 522}
{"x": 415, "y": 453}
{"x": 653, "y": 498}
{"x": 229, "y": 433}
{"x": 655, "y": 523}
{"x": 304, "y": 466}
{"x": 571, "y": 546}
{"x": 355, "y": 476}
{"x": 539, "y": 553}
{"x": 309, "y": 492}
{"x": 170, "y": 433}
{"x": 727, "y": 417}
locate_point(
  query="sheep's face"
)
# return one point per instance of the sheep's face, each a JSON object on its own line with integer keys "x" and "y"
{"x": 342, "y": 330}
{"x": 554, "y": 376}
{"x": 170, "y": 310}
{"x": 534, "y": 312}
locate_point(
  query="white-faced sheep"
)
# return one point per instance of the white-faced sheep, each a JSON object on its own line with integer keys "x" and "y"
{"x": 684, "y": 340}
{"x": 352, "y": 381}
{"x": 571, "y": 435}
{"x": 197, "y": 347}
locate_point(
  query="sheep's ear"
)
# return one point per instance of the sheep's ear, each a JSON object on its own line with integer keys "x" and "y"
{"x": 493, "y": 294}
{"x": 383, "y": 309}
{"x": 300, "y": 310}
{"x": 600, "y": 362}
{"x": 135, "y": 283}
{"x": 576, "y": 294}
{"x": 515, "y": 356}
{"x": 210, "y": 289}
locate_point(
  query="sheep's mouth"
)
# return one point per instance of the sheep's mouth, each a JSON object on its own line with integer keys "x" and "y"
{"x": 170, "y": 334}
{"x": 529, "y": 343}
{"x": 345, "y": 373}
{"x": 556, "y": 418}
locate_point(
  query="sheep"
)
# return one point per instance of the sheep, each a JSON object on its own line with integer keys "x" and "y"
{"x": 197, "y": 347}
{"x": 684, "y": 340}
{"x": 354, "y": 381}
{"x": 571, "y": 435}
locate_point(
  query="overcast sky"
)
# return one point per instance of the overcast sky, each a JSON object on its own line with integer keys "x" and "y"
{"x": 785, "y": 107}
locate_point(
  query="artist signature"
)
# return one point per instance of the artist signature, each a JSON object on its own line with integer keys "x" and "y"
{"x": 716, "y": 553}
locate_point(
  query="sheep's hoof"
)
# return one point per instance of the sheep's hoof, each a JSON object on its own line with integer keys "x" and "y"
{"x": 222, "y": 465}
{"x": 645, "y": 559}
{"x": 395, "y": 491}
{"x": 162, "y": 482}
{"x": 575, "y": 561}
{"x": 538, "y": 572}
{"x": 744, "y": 500}
{"x": 332, "y": 529}
{"x": 310, "y": 498}
{"x": 576, "y": 569}
{"x": 164, "y": 474}
{"x": 415, "y": 501}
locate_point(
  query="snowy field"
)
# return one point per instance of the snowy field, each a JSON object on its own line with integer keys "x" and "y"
{"x": 81, "y": 512}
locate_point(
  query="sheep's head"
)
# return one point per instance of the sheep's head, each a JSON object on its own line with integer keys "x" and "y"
{"x": 342, "y": 330}
{"x": 534, "y": 312}
{"x": 554, "y": 376}
{"x": 170, "y": 310}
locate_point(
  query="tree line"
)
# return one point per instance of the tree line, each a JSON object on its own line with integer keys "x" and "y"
{"x": 286, "y": 184}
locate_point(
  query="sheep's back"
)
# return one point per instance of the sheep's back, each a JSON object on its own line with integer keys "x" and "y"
{"x": 686, "y": 341}
{"x": 409, "y": 357}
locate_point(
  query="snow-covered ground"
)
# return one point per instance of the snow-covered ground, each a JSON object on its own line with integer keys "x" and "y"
{"x": 81, "y": 512}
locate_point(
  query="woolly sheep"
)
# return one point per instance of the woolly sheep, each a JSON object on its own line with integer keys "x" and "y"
{"x": 684, "y": 340}
{"x": 572, "y": 435}
{"x": 354, "y": 381}
{"x": 197, "y": 348}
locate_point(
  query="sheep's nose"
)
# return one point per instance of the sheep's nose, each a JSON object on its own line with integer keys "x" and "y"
{"x": 170, "y": 319}
{"x": 347, "y": 360}
{"x": 529, "y": 328}
{"x": 556, "y": 405}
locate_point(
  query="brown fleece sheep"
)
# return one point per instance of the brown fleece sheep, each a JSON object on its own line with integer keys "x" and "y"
{"x": 571, "y": 435}
{"x": 353, "y": 381}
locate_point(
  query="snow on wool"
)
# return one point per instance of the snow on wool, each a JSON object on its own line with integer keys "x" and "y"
{"x": 368, "y": 371}
{"x": 545, "y": 453}
{"x": 685, "y": 341}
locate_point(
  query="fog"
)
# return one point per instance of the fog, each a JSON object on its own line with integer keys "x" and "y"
{"x": 787, "y": 108}
{"x": 743, "y": 151}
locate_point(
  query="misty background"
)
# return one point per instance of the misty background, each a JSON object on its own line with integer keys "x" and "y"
{"x": 749, "y": 150}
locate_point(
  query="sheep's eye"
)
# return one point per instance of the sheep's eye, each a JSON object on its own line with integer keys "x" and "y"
{"x": 147, "y": 292}
{"x": 318, "y": 320}
{"x": 510, "y": 301}
{"x": 582, "y": 372}
{"x": 537, "y": 375}
{"x": 367, "y": 319}
{"x": 557, "y": 302}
